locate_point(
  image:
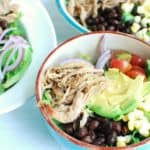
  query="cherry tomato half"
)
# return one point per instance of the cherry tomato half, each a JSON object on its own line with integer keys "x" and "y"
{"x": 133, "y": 73}
{"x": 122, "y": 65}
{"x": 138, "y": 61}
{"x": 138, "y": 68}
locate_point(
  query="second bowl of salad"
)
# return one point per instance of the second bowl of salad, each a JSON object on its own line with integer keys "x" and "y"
{"x": 94, "y": 91}
{"x": 128, "y": 16}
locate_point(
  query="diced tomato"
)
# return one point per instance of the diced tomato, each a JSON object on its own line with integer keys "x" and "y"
{"x": 138, "y": 68}
{"x": 122, "y": 65}
{"x": 133, "y": 73}
{"x": 138, "y": 61}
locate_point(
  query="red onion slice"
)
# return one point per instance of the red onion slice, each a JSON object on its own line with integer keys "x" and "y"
{"x": 2, "y": 54}
{"x": 76, "y": 60}
{"x": 103, "y": 59}
{"x": 5, "y": 32}
{"x": 102, "y": 45}
{"x": 1, "y": 76}
{"x": 105, "y": 53}
{"x": 3, "y": 42}
{"x": 15, "y": 44}
{"x": 17, "y": 62}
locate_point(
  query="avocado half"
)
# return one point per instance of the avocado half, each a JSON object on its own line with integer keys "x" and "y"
{"x": 121, "y": 95}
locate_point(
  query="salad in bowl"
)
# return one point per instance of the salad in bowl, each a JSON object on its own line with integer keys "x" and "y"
{"x": 94, "y": 90}
{"x": 128, "y": 16}
{"x": 15, "y": 50}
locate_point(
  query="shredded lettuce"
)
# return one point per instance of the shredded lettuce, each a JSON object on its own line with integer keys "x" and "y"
{"x": 85, "y": 57}
{"x": 47, "y": 99}
{"x": 19, "y": 28}
{"x": 13, "y": 76}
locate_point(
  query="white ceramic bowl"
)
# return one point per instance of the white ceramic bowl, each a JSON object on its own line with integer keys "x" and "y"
{"x": 41, "y": 34}
{"x": 87, "y": 44}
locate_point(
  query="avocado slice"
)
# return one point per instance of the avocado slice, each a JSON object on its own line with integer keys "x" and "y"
{"x": 121, "y": 96}
{"x": 125, "y": 56}
{"x": 146, "y": 88}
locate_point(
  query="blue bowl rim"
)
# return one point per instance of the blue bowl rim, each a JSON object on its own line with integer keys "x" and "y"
{"x": 70, "y": 19}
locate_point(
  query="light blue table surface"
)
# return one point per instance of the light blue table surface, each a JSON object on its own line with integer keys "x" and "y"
{"x": 23, "y": 129}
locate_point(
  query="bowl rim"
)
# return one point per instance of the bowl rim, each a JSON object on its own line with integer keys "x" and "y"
{"x": 53, "y": 125}
{"x": 70, "y": 19}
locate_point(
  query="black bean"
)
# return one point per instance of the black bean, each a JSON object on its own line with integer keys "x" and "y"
{"x": 93, "y": 124}
{"x": 116, "y": 126}
{"x": 128, "y": 30}
{"x": 101, "y": 27}
{"x": 89, "y": 21}
{"x": 81, "y": 132}
{"x": 99, "y": 141}
{"x": 115, "y": 22}
{"x": 101, "y": 19}
{"x": 111, "y": 28}
{"x": 124, "y": 130}
{"x": 118, "y": 10}
{"x": 69, "y": 128}
{"x": 111, "y": 138}
{"x": 105, "y": 24}
{"x": 94, "y": 28}
{"x": 106, "y": 126}
{"x": 92, "y": 135}
{"x": 113, "y": 14}
{"x": 97, "y": 20}
{"x": 87, "y": 139}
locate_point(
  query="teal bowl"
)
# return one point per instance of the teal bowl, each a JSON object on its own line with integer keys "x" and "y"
{"x": 62, "y": 8}
{"x": 87, "y": 44}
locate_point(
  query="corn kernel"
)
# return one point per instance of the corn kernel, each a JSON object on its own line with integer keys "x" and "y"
{"x": 137, "y": 19}
{"x": 135, "y": 27}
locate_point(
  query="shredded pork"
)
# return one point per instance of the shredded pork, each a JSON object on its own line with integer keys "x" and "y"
{"x": 70, "y": 87}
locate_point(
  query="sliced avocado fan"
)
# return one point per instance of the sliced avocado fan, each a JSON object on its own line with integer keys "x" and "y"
{"x": 121, "y": 95}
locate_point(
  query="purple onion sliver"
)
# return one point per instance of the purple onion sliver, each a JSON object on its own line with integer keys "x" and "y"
{"x": 17, "y": 62}
{"x": 11, "y": 67}
{"x": 76, "y": 60}
{"x": 3, "y": 42}
{"x": 7, "y": 45}
{"x": 2, "y": 54}
{"x": 1, "y": 76}
{"x": 5, "y": 32}
{"x": 102, "y": 45}
{"x": 102, "y": 60}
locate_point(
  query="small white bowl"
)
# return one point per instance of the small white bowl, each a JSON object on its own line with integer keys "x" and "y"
{"x": 86, "y": 44}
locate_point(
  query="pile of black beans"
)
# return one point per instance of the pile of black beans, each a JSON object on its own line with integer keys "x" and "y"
{"x": 98, "y": 131}
{"x": 108, "y": 19}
